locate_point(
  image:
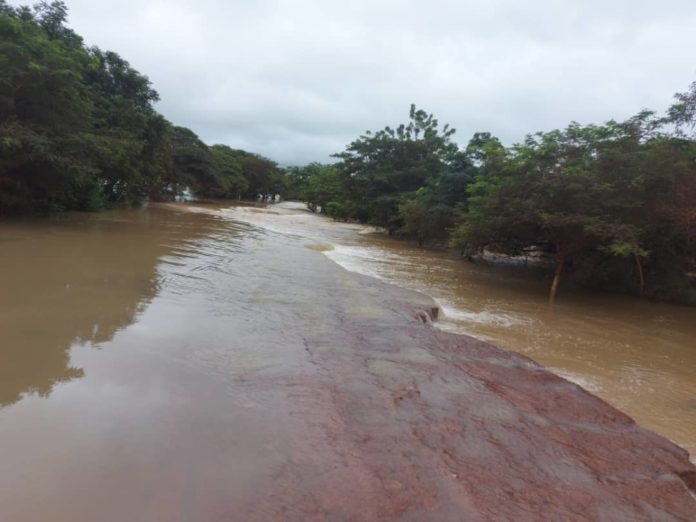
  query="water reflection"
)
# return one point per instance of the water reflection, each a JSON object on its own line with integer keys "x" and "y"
{"x": 78, "y": 279}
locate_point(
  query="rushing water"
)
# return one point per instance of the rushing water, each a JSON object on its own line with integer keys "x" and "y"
{"x": 638, "y": 355}
{"x": 119, "y": 330}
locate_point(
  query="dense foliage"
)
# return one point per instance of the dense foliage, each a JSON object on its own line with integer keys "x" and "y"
{"x": 78, "y": 130}
{"x": 613, "y": 205}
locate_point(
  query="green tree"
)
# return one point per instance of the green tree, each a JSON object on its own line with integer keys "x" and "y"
{"x": 551, "y": 195}
{"x": 44, "y": 113}
{"x": 324, "y": 191}
{"x": 262, "y": 174}
{"x": 683, "y": 113}
{"x": 231, "y": 181}
{"x": 380, "y": 169}
{"x": 194, "y": 165}
{"x": 78, "y": 129}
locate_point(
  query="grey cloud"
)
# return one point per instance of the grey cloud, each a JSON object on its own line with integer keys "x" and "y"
{"x": 296, "y": 81}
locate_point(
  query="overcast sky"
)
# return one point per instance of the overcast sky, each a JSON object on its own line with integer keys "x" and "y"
{"x": 297, "y": 80}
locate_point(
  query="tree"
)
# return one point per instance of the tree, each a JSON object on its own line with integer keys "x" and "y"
{"x": 262, "y": 174}
{"x": 324, "y": 191}
{"x": 44, "y": 112}
{"x": 565, "y": 193}
{"x": 193, "y": 162}
{"x": 231, "y": 181}
{"x": 418, "y": 221}
{"x": 683, "y": 113}
{"x": 381, "y": 168}
{"x": 78, "y": 128}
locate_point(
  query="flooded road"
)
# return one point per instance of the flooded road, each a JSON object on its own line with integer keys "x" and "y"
{"x": 640, "y": 356}
{"x": 210, "y": 364}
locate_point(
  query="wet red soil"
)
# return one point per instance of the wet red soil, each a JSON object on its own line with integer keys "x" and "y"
{"x": 444, "y": 427}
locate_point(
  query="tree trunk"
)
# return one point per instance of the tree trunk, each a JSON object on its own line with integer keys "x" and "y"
{"x": 556, "y": 279}
{"x": 640, "y": 274}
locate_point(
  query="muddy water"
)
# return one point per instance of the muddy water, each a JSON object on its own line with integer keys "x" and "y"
{"x": 637, "y": 355}
{"x": 176, "y": 363}
{"x": 162, "y": 364}
{"x": 101, "y": 317}
{"x": 77, "y": 281}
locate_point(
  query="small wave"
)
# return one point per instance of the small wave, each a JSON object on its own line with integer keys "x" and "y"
{"x": 488, "y": 317}
{"x": 583, "y": 381}
{"x": 458, "y": 328}
{"x": 320, "y": 247}
{"x": 356, "y": 259}
{"x": 381, "y": 264}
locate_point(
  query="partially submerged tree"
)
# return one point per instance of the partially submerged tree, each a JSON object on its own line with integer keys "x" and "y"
{"x": 578, "y": 195}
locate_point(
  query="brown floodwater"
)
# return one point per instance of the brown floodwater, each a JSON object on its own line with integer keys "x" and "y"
{"x": 141, "y": 351}
{"x": 640, "y": 356}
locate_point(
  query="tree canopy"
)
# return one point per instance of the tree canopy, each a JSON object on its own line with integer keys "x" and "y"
{"x": 611, "y": 205}
{"x": 79, "y": 131}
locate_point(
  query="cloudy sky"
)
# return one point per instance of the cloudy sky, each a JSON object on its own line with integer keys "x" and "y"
{"x": 297, "y": 80}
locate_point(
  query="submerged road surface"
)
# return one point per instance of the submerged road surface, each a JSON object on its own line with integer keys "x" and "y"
{"x": 161, "y": 365}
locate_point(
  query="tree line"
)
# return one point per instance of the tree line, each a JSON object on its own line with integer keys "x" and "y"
{"x": 78, "y": 129}
{"x": 611, "y": 206}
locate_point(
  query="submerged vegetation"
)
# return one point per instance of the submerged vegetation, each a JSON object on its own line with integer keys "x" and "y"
{"x": 78, "y": 130}
{"x": 612, "y": 205}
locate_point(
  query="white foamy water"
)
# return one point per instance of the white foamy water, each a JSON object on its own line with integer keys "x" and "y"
{"x": 583, "y": 381}
{"x": 487, "y": 317}
{"x": 394, "y": 268}
{"x": 361, "y": 260}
